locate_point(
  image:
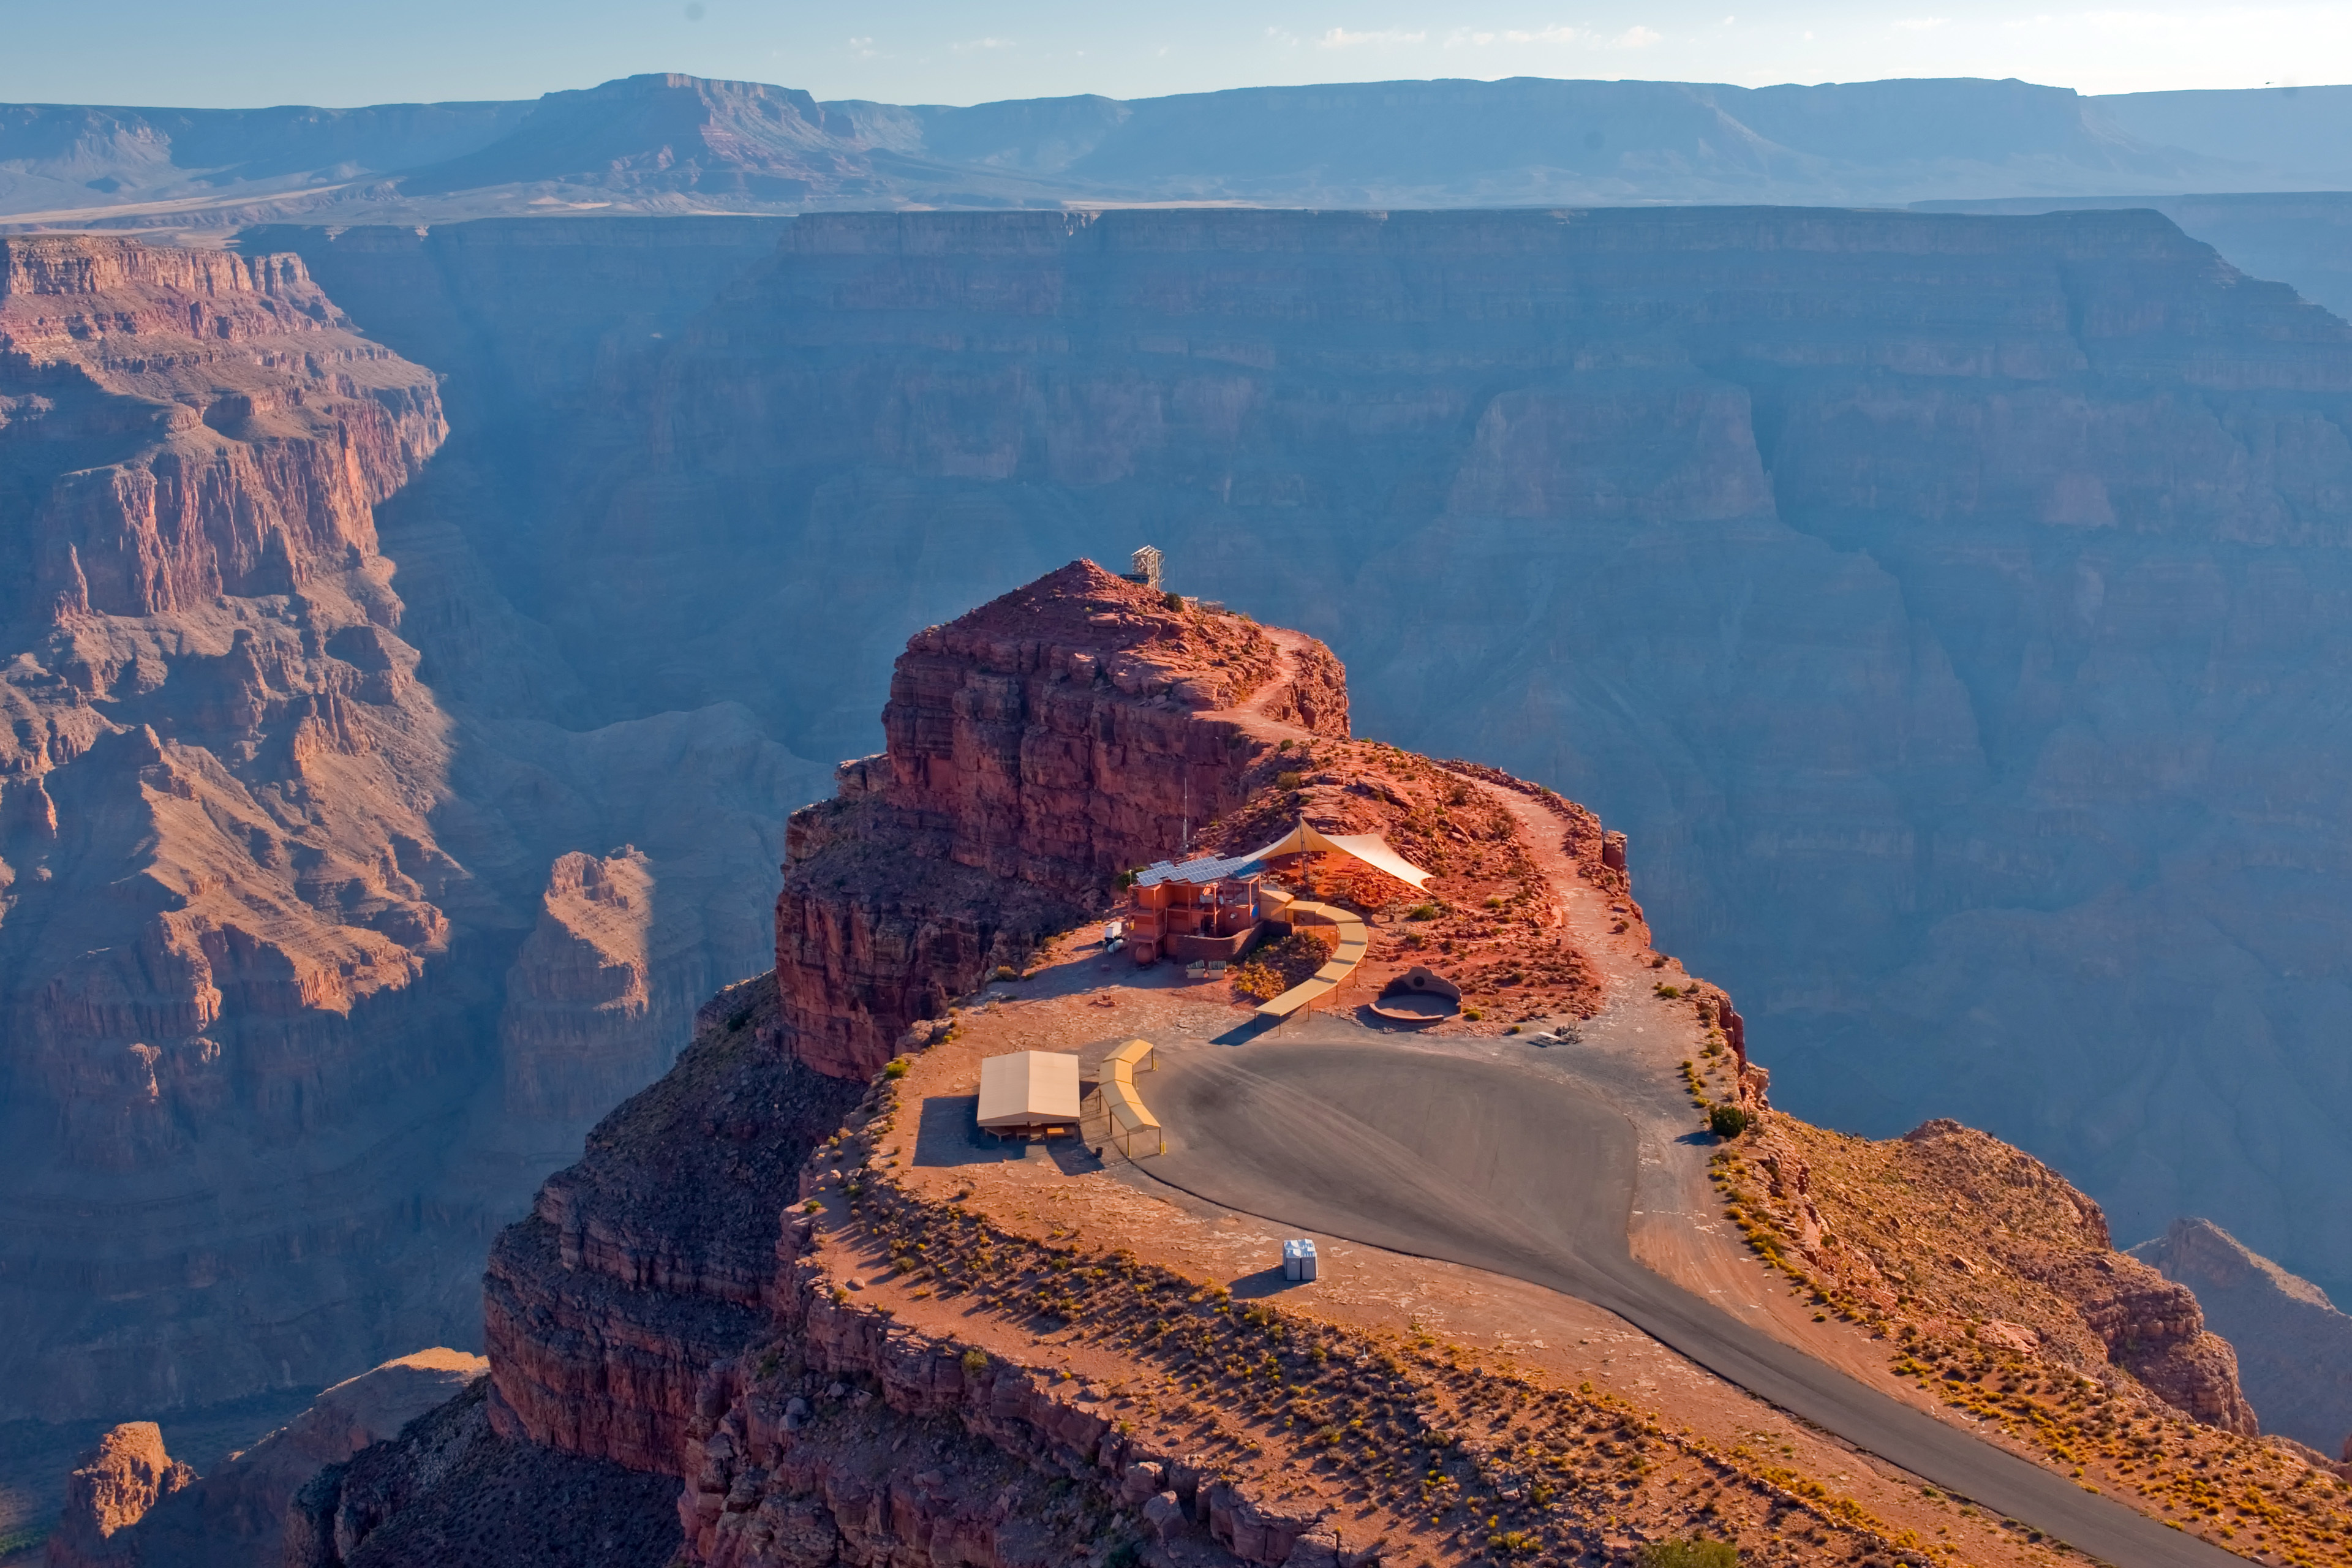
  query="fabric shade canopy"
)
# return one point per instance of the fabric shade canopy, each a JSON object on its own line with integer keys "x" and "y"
{"x": 1370, "y": 848}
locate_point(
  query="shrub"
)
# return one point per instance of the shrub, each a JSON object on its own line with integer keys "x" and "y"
{"x": 1172, "y": 599}
{"x": 1291, "y": 779}
{"x": 1421, "y": 912}
{"x": 1687, "y": 1554}
{"x": 975, "y": 1361}
{"x": 1662, "y": 989}
{"x": 1728, "y": 1120}
{"x": 1472, "y": 1013}
{"x": 896, "y": 1070}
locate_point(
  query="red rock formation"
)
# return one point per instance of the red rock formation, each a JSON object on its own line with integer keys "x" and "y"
{"x": 233, "y": 1517}
{"x": 651, "y": 1258}
{"x": 574, "y": 1039}
{"x": 219, "y": 883}
{"x": 1037, "y": 746}
{"x": 114, "y": 1487}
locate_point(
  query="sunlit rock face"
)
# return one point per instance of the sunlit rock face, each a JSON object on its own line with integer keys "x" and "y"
{"x": 310, "y": 972}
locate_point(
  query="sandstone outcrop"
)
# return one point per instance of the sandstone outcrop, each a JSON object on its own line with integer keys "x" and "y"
{"x": 1037, "y": 747}
{"x": 233, "y": 1516}
{"x": 1947, "y": 1225}
{"x": 110, "y": 1492}
{"x": 2295, "y": 1347}
{"x": 576, "y": 1038}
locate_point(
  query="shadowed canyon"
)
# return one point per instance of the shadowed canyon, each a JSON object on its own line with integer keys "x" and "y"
{"x": 418, "y": 640}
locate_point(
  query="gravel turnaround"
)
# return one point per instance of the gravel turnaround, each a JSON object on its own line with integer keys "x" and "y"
{"x": 1527, "y": 1174}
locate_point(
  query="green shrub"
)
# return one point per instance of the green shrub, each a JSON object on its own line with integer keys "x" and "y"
{"x": 975, "y": 1361}
{"x": 1728, "y": 1120}
{"x": 1472, "y": 1013}
{"x": 896, "y": 1070}
{"x": 1687, "y": 1554}
{"x": 1421, "y": 912}
{"x": 1172, "y": 599}
{"x": 1289, "y": 780}
{"x": 1006, "y": 971}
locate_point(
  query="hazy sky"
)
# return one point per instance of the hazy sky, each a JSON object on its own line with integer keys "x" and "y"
{"x": 335, "y": 52}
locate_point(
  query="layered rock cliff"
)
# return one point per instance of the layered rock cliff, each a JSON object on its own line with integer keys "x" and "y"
{"x": 315, "y": 947}
{"x": 130, "y": 1505}
{"x": 221, "y": 888}
{"x": 1038, "y": 746}
{"x": 2294, "y": 1345}
{"x": 1940, "y": 601}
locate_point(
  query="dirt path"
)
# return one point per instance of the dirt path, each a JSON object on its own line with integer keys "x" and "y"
{"x": 1250, "y": 716}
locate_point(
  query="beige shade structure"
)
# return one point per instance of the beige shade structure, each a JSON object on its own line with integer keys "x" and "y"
{"x": 1028, "y": 1089}
{"x": 1370, "y": 848}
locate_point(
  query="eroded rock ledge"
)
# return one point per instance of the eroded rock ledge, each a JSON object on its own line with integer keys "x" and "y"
{"x": 1037, "y": 746}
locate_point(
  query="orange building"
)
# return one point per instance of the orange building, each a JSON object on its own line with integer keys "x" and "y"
{"x": 1204, "y": 909}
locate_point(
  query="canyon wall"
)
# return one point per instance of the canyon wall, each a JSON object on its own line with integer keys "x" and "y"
{"x": 331, "y": 912}
{"x": 223, "y": 908}
{"x": 1947, "y": 603}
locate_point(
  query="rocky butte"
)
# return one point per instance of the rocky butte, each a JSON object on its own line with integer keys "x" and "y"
{"x": 1942, "y": 602}
{"x": 826, "y": 1323}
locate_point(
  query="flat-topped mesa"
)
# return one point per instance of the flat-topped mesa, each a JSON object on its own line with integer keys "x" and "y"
{"x": 1036, "y": 747}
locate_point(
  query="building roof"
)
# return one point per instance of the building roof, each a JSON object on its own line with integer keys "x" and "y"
{"x": 1208, "y": 869}
{"x": 1028, "y": 1088}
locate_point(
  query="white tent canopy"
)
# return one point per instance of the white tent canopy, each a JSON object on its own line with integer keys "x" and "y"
{"x": 1370, "y": 848}
{"x": 1028, "y": 1088}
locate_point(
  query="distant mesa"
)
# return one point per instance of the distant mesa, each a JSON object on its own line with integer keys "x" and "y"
{"x": 667, "y": 143}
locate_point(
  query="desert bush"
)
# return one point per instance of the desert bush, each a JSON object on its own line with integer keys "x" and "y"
{"x": 896, "y": 1070}
{"x": 1172, "y": 599}
{"x": 1289, "y": 780}
{"x": 1421, "y": 912}
{"x": 1687, "y": 1554}
{"x": 1728, "y": 1120}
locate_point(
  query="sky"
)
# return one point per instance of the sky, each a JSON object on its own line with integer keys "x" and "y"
{"x": 335, "y": 52}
